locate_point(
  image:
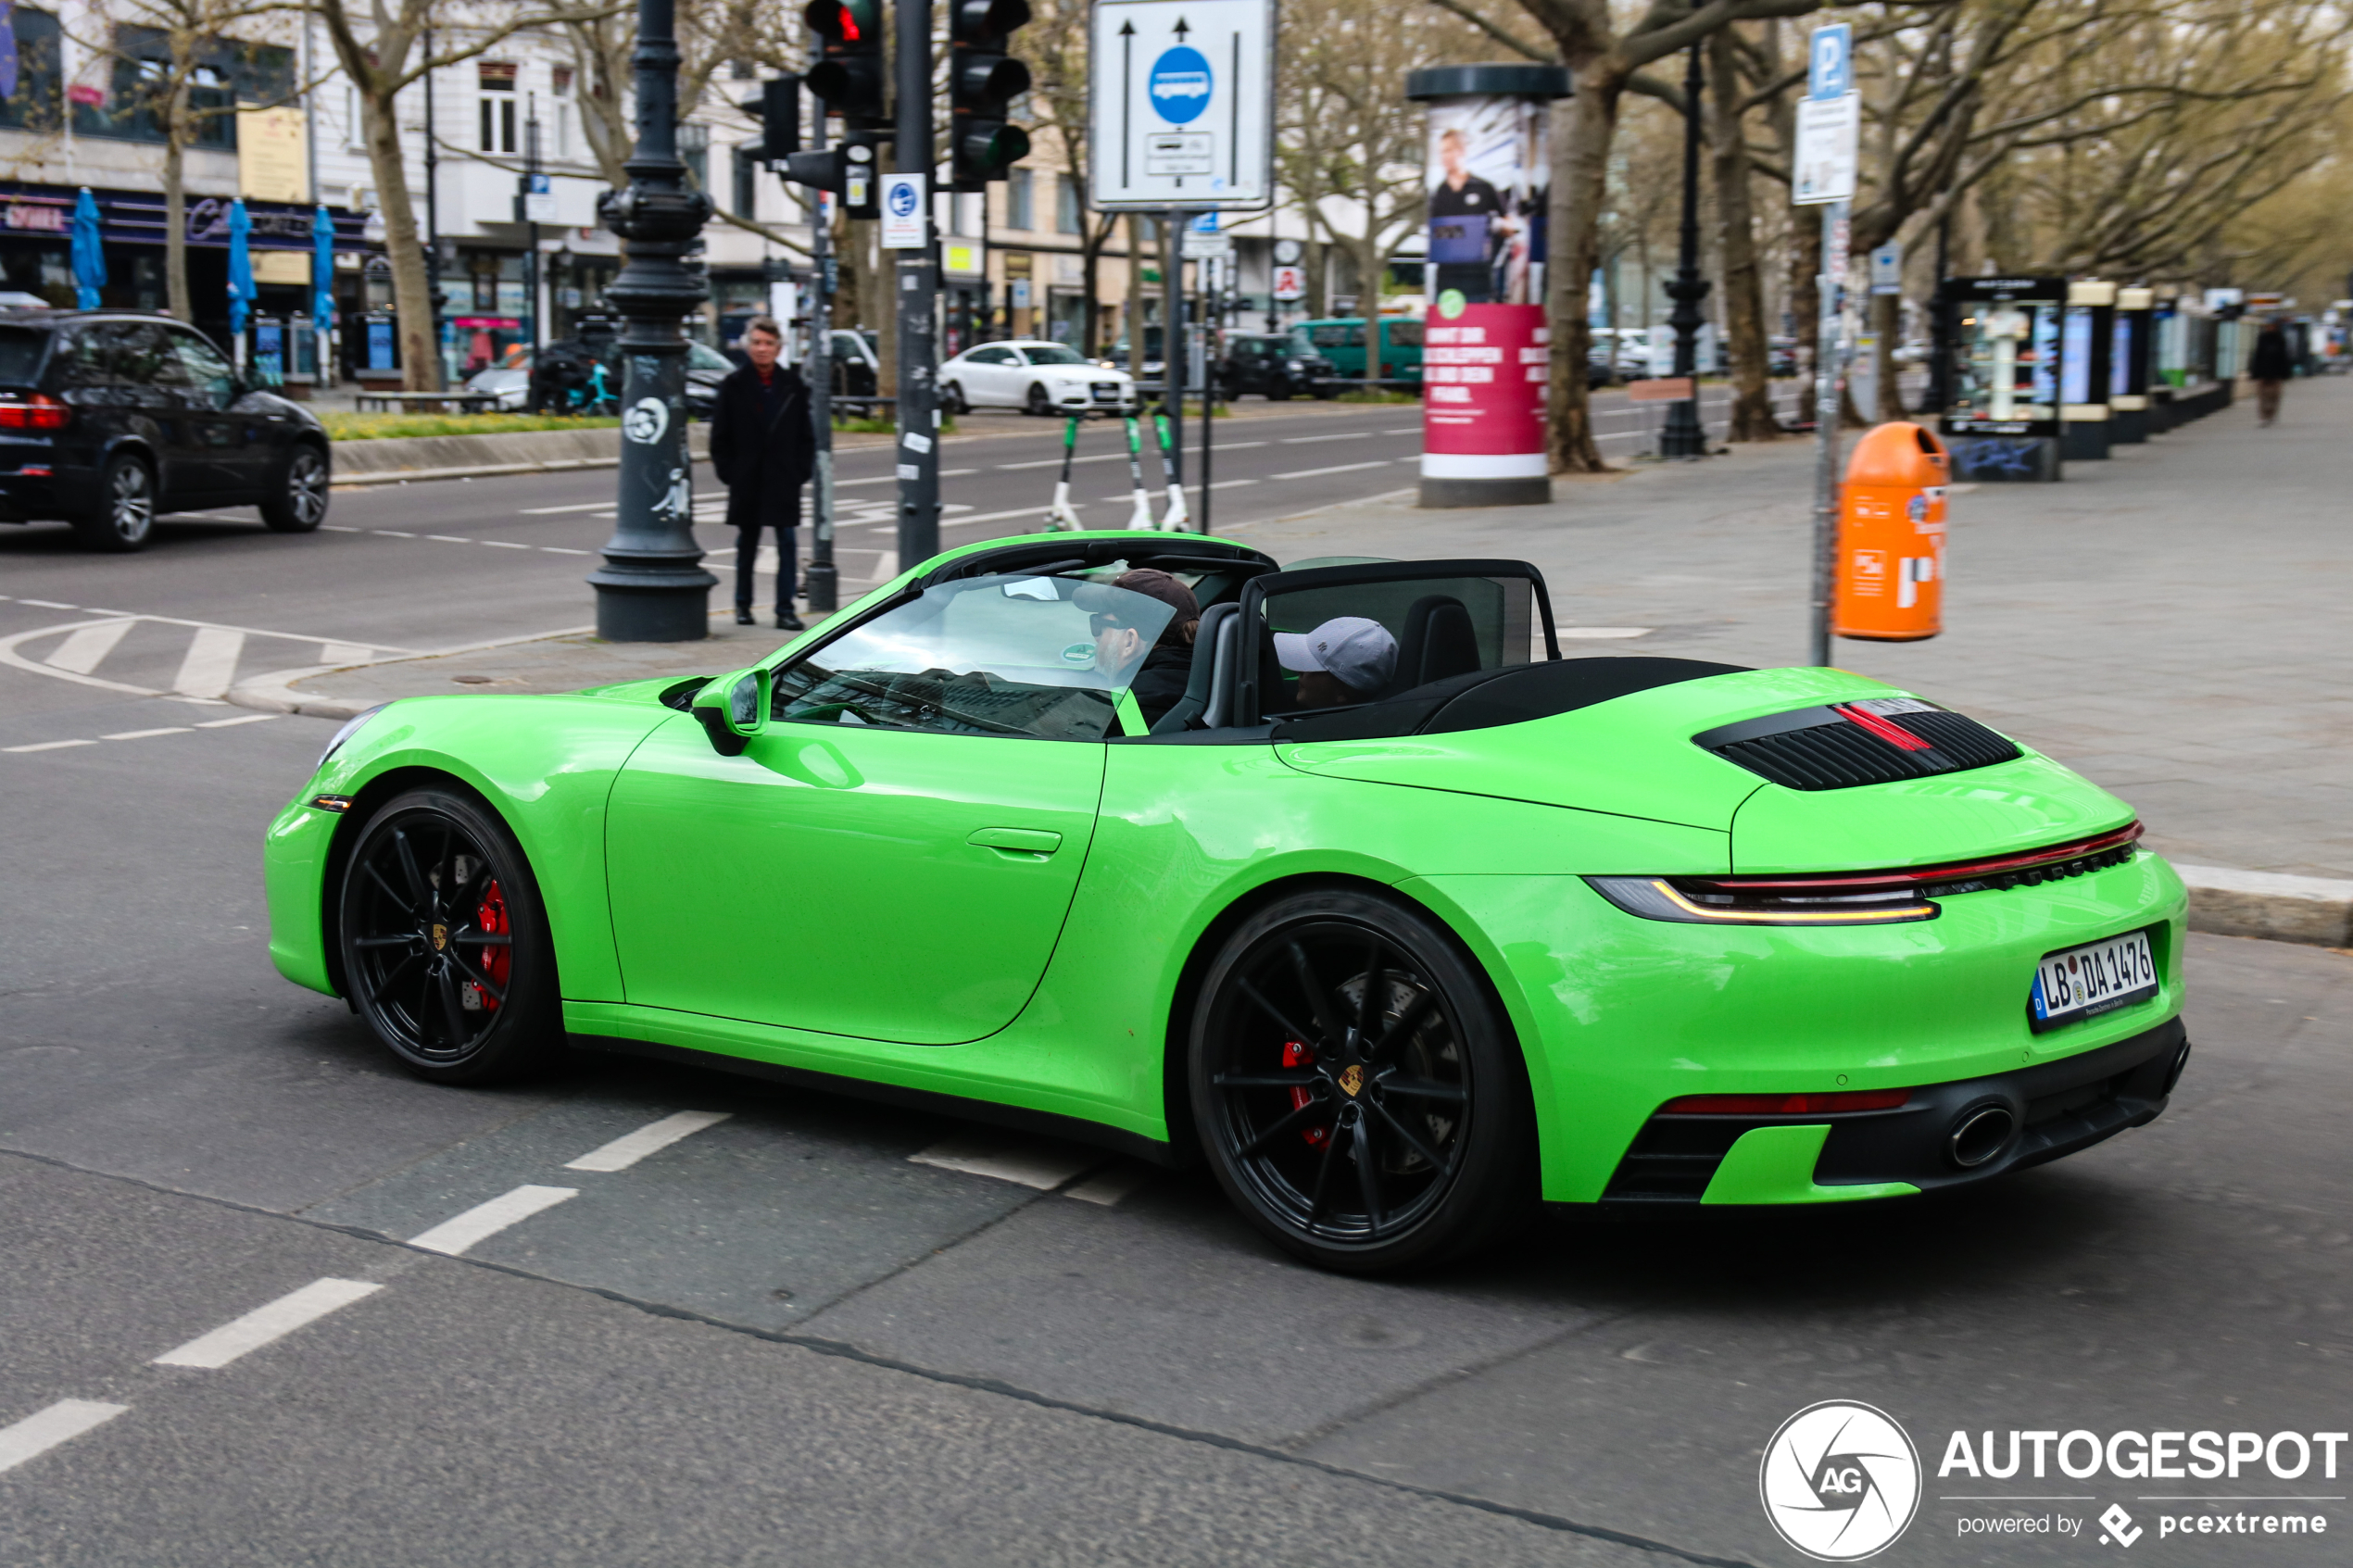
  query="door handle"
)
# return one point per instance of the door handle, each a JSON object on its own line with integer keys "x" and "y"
{"x": 1017, "y": 844}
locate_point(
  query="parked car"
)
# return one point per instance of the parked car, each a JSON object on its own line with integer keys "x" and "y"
{"x": 1156, "y": 366}
{"x": 509, "y": 378}
{"x": 1271, "y": 363}
{"x": 1033, "y": 376}
{"x": 109, "y": 418}
{"x": 1397, "y": 349}
{"x": 1781, "y": 355}
{"x": 857, "y": 371}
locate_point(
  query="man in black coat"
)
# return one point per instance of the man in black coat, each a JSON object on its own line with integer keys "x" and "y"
{"x": 763, "y": 451}
{"x": 2269, "y": 365}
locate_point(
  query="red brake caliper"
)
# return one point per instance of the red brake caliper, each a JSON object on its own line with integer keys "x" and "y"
{"x": 1297, "y": 1055}
{"x": 491, "y": 919}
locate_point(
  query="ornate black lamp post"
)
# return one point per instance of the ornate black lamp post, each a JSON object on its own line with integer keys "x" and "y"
{"x": 1683, "y": 436}
{"x": 652, "y": 588}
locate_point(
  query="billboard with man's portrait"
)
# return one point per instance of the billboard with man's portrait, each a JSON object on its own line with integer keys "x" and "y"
{"x": 1487, "y": 178}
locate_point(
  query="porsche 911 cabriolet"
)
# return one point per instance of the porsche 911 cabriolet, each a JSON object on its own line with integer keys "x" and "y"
{"x": 1401, "y": 936}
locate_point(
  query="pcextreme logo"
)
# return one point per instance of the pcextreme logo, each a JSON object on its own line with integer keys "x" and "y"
{"x": 1839, "y": 1481}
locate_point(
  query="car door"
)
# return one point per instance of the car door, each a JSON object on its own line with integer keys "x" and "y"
{"x": 986, "y": 373}
{"x": 228, "y": 439}
{"x": 150, "y": 383}
{"x": 893, "y": 856}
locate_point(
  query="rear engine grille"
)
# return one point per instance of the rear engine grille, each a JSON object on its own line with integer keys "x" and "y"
{"x": 1863, "y": 743}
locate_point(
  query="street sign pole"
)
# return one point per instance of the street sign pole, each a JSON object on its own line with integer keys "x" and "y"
{"x": 1172, "y": 339}
{"x": 1829, "y": 123}
{"x": 918, "y": 290}
{"x": 823, "y": 584}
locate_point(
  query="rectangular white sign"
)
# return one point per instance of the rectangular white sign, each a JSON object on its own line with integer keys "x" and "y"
{"x": 1829, "y": 135}
{"x": 902, "y": 211}
{"x": 1181, "y": 107}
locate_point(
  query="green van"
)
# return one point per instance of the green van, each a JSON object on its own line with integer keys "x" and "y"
{"x": 1340, "y": 339}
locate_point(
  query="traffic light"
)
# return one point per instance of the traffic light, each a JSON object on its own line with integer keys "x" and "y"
{"x": 849, "y": 73}
{"x": 847, "y": 171}
{"x": 778, "y": 110}
{"x": 982, "y": 83}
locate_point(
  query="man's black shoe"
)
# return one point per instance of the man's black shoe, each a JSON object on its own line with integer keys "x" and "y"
{"x": 744, "y": 617}
{"x": 787, "y": 622}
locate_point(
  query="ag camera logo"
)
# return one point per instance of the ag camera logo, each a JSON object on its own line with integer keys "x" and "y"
{"x": 1839, "y": 1481}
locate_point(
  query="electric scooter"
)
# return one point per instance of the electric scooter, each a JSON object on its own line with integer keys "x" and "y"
{"x": 1141, "y": 515}
{"x": 1062, "y": 515}
{"x": 1174, "y": 517}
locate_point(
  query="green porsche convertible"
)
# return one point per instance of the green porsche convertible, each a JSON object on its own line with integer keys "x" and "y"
{"x": 1339, "y": 877}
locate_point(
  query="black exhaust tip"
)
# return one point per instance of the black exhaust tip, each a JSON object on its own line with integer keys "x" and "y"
{"x": 2173, "y": 1073}
{"x": 1979, "y": 1135}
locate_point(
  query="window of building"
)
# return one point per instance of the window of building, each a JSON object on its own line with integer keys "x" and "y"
{"x": 498, "y": 107}
{"x": 1020, "y": 203}
{"x": 35, "y": 104}
{"x": 355, "y": 136}
{"x": 1065, "y": 204}
{"x": 226, "y": 71}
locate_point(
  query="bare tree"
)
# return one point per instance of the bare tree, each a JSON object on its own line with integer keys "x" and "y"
{"x": 382, "y": 52}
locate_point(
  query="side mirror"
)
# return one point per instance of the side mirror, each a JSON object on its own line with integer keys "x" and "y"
{"x": 732, "y": 709}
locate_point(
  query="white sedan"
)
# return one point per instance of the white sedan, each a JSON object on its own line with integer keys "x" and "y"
{"x": 1034, "y": 376}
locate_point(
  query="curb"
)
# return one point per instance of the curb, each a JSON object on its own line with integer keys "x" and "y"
{"x": 480, "y": 471}
{"x": 2311, "y": 909}
{"x": 274, "y": 693}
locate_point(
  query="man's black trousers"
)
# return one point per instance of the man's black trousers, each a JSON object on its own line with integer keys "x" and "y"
{"x": 788, "y": 565}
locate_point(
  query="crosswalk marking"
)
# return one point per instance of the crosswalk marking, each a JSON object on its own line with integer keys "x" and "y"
{"x": 82, "y": 651}
{"x": 43, "y": 1430}
{"x": 211, "y": 665}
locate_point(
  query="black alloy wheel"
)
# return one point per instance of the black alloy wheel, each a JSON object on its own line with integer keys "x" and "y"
{"x": 299, "y": 502}
{"x": 1040, "y": 403}
{"x": 951, "y": 399}
{"x": 1357, "y": 1090}
{"x": 124, "y": 519}
{"x": 444, "y": 941}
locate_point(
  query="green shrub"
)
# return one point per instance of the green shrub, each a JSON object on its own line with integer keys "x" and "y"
{"x": 345, "y": 426}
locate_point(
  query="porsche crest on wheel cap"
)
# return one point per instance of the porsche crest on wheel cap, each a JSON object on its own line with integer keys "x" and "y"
{"x": 1351, "y": 1080}
{"x": 441, "y": 940}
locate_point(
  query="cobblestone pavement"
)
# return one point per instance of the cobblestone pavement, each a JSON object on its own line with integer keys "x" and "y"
{"x": 2172, "y": 621}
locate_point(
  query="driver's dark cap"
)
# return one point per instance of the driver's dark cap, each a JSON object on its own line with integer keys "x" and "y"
{"x": 1154, "y": 583}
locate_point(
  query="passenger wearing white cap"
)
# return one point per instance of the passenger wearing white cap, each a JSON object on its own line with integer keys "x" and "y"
{"x": 1348, "y": 658}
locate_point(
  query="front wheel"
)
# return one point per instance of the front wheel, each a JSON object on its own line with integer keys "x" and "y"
{"x": 1039, "y": 401}
{"x": 444, "y": 940}
{"x": 1358, "y": 1091}
{"x": 124, "y": 517}
{"x": 951, "y": 399}
{"x": 298, "y": 505}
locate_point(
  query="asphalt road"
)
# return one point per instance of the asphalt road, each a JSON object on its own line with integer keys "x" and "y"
{"x": 819, "y": 1331}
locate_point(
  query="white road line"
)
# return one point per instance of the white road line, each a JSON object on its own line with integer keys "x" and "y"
{"x": 576, "y": 507}
{"x": 956, "y": 473}
{"x": 846, "y": 483}
{"x": 43, "y": 1430}
{"x": 1344, "y": 468}
{"x": 504, "y": 545}
{"x": 1031, "y": 1162}
{"x": 82, "y": 652}
{"x": 651, "y": 1138}
{"x": 1056, "y": 462}
{"x": 47, "y": 604}
{"x": 1342, "y": 435}
{"x": 341, "y": 528}
{"x": 344, "y": 653}
{"x": 484, "y": 1221}
{"x": 1237, "y": 445}
{"x": 1107, "y": 1187}
{"x": 240, "y": 718}
{"x": 211, "y": 665}
{"x": 144, "y": 734}
{"x": 392, "y": 532}
{"x": 1605, "y": 632}
{"x": 560, "y": 550}
{"x": 448, "y": 539}
{"x": 1231, "y": 483}
{"x": 1410, "y": 430}
{"x": 245, "y": 1335}
{"x": 48, "y": 745}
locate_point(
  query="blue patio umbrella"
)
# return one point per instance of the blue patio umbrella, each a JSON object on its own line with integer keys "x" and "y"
{"x": 322, "y": 267}
{"x": 240, "y": 266}
{"x": 89, "y": 256}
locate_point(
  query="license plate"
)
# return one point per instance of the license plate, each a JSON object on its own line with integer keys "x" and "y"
{"x": 2088, "y": 981}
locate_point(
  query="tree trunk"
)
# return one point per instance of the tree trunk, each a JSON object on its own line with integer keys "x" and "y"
{"x": 1317, "y": 256}
{"x": 1583, "y": 129}
{"x": 175, "y": 225}
{"x": 1805, "y": 303}
{"x": 1887, "y": 320}
{"x": 1743, "y": 288}
{"x": 411, "y": 294}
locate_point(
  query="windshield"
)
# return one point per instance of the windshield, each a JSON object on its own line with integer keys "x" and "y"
{"x": 702, "y": 356}
{"x": 1052, "y": 354}
{"x": 1036, "y": 657}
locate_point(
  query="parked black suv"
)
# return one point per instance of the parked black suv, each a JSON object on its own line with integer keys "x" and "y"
{"x": 109, "y": 418}
{"x": 1272, "y": 363}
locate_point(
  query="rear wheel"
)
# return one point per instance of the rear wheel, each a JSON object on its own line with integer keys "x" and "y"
{"x": 444, "y": 941}
{"x": 124, "y": 518}
{"x": 299, "y": 503}
{"x": 1358, "y": 1091}
{"x": 951, "y": 399}
{"x": 1040, "y": 402}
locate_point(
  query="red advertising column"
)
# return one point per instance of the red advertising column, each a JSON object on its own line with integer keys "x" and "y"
{"x": 1486, "y": 355}
{"x": 1484, "y": 374}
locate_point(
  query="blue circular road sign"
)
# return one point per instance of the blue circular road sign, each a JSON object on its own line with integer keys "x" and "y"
{"x": 1179, "y": 86}
{"x": 902, "y": 199}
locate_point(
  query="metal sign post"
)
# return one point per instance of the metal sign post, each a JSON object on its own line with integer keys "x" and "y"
{"x": 1829, "y": 123}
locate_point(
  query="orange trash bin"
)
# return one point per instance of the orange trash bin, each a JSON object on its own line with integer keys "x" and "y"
{"x": 1889, "y": 583}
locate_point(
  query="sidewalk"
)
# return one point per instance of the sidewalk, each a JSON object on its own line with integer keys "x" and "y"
{"x": 2172, "y": 621}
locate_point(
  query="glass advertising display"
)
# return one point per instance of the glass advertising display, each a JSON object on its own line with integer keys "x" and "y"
{"x": 2008, "y": 355}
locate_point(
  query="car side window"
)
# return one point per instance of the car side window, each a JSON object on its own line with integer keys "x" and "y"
{"x": 1035, "y": 658}
{"x": 203, "y": 366}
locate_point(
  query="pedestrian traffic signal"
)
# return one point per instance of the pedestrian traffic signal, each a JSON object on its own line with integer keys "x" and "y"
{"x": 849, "y": 73}
{"x": 847, "y": 171}
{"x": 778, "y": 110}
{"x": 983, "y": 81}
